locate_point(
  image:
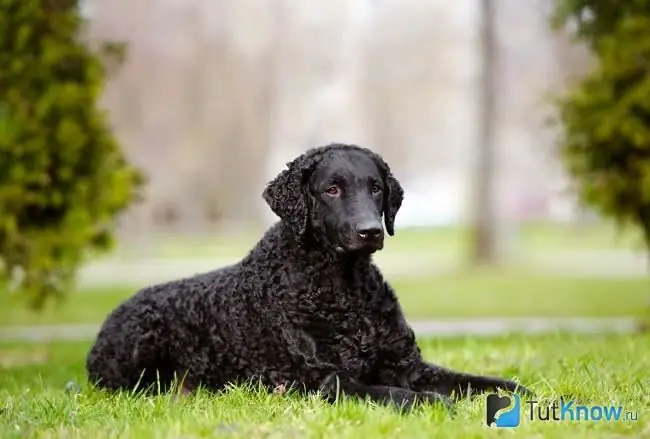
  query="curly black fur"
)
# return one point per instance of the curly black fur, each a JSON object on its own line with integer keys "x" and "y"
{"x": 305, "y": 308}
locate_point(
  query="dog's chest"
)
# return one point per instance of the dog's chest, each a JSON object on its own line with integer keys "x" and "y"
{"x": 352, "y": 346}
{"x": 344, "y": 330}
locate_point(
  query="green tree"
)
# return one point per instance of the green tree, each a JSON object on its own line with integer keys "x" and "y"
{"x": 63, "y": 177}
{"x": 605, "y": 116}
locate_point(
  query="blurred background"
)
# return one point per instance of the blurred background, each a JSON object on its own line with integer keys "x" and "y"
{"x": 216, "y": 96}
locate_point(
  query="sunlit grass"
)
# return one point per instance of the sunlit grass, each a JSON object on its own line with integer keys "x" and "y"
{"x": 34, "y": 402}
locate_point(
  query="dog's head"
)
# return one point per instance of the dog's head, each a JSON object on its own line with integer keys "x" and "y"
{"x": 338, "y": 194}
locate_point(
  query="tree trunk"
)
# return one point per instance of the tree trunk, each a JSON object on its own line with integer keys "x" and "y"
{"x": 644, "y": 324}
{"x": 485, "y": 224}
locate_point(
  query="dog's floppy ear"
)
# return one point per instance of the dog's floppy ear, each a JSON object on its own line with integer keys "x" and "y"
{"x": 393, "y": 195}
{"x": 286, "y": 194}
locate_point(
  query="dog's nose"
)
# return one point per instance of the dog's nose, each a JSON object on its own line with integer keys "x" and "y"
{"x": 369, "y": 231}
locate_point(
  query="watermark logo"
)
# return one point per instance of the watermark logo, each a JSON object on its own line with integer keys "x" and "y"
{"x": 505, "y": 411}
{"x": 507, "y": 418}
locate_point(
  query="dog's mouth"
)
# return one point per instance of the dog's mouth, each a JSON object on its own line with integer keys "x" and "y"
{"x": 363, "y": 247}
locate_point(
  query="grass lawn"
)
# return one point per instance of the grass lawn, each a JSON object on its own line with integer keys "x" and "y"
{"x": 447, "y": 239}
{"x": 454, "y": 295}
{"x": 590, "y": 370}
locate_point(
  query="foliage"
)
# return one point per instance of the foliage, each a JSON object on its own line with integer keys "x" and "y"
{"x": 605, "y": 117}
{"x": 63, "y": 176}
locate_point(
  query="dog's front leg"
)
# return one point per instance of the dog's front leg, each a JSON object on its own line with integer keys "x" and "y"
{"x": 401, "y": 363}
{"x": 303, "y": 351}
{"x": 333, "y": 382}
{"x": 336, "y": 385}
{"x": 433, "y": 378}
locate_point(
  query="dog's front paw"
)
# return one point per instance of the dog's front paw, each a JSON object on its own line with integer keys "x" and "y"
{"x": 407, "y": 400}
{"x": 514, "y": 387}
{"x": 436, "y": 398}
{"x": 330, "y": 383}
{"x": 331, "y": 387}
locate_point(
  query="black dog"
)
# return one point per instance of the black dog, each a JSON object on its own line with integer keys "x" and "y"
{"x": 306, "y": 308}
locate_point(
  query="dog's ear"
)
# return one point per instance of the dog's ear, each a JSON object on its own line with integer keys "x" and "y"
{"x": 392, "y": 202}
{"x": 287, "y": 196}
{"x": 393, "y": 195}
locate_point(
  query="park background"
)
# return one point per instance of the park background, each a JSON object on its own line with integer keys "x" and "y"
{"x": 214, "y": 97}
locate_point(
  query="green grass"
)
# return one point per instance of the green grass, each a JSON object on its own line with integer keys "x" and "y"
{"x": 452, "y": 239}
{"x": 479, "y": 293}
{"x": 591, "y": 370}
{"x": 522, "y": 294}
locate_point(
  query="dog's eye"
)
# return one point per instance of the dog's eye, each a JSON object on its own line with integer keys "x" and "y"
{"x": 376, "y": 189}
{"x": 333, "y": 190}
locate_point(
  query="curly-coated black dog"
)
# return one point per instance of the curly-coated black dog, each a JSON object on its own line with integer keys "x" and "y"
{"x": 305, "y": 309}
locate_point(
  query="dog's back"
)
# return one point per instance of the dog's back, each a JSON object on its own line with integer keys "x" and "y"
{"x": 206, "y": 323}
{"x": 140, "y": 341}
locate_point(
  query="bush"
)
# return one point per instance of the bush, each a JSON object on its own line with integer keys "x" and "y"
{"x": 605, "y": 117}
{"x": 63, "y": 176}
